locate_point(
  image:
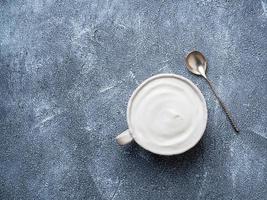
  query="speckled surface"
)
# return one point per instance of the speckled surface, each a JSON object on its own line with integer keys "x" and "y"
{"x": 68, "y": 69}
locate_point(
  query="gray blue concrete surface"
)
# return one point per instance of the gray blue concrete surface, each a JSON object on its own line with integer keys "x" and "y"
{"x": 68, "y": 68}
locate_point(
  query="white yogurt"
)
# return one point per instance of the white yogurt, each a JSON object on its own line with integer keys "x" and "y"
{"x": 167, "y": 113}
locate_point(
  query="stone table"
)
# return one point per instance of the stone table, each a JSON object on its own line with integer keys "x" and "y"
{"x": 67, "y": 69}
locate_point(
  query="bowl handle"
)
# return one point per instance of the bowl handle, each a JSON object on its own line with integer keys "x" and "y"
{"x": 124, "y": 138}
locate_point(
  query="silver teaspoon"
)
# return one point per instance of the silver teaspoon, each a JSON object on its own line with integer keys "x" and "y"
{"x": 197, "y": 64}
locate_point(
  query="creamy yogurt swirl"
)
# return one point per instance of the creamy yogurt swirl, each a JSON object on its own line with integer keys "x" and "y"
{"x": 167, "y": 114}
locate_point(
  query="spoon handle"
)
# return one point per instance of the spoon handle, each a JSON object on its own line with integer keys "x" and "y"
{"x": 228, "y": 114}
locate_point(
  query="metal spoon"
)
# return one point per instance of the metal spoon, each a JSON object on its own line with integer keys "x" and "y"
{"x": 197, "y": 64}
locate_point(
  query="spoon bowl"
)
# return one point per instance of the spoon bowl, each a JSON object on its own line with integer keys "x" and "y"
{"x": 195, "y": 59}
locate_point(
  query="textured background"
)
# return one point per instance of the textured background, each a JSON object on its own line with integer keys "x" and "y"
{"x": 67, "y": 69}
